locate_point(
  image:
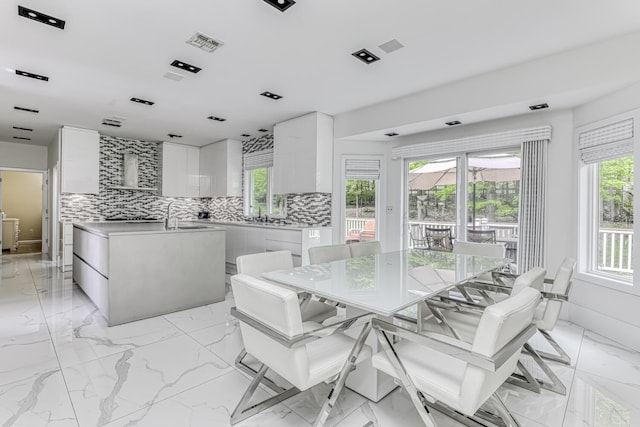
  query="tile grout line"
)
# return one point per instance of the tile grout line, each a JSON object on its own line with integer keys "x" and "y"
{"x": 55, "y": 350}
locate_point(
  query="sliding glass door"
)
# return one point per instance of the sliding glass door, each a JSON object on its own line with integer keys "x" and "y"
{"x": 481, "y": 205}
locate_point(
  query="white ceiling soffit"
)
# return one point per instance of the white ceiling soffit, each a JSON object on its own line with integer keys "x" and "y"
{"x": 112, "y": 51}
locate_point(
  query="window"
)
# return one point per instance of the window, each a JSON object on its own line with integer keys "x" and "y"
{"x": 491, "y": 197}
{"x": 361, "y": 197}
{"x": 607, "y": 182}
{"x": 259, "y": 199}
{"x": 613, "y": 220}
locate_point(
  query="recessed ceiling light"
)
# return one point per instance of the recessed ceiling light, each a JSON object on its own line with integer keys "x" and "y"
{"x": 187, "y": 67}
{"x": 142, "y": 101}
{"x": 28, "y": 110}
{"x": 40, "y": 17}
{"x": 538, "y": 106}
{"x": 25, "y": 129}
{"x": 271, "y": 95}
{"x": 111, "y": 122}
{"x": 245, "y": 135}
{"x": 217, "y": 119}
{"x": 454, "y": 122}
{"x": 173, "y": 135}
{"x": 365, "y": 56}
{"x": 391, "y": 134}
{"x": 22, "y": 138}
{"x": 204, "y": 42}
{"x": 32, "y": 76}
{"x": 391, "y": 46}
{"x": 263, "y": 130}
{"x": 281, "y": 5}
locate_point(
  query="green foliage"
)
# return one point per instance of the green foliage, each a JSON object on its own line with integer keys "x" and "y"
{"x": 616, "y": 190}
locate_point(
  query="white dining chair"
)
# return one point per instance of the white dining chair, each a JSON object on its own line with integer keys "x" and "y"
{"x": 303, "y": 353}
{"x": 311, "y": 310}
{"x": 328, "y": 253}
{"x": 555, "y": 292}
{"x": 371, "y": 247}
{"x": 456, "y": 377}
{"x": 461, "y": 318}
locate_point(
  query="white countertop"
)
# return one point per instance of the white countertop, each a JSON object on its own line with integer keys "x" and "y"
{"x": 107, "y": 229}
{"x": 262, "y": 224}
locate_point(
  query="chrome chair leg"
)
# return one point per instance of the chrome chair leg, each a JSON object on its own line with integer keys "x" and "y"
{"x": 561, "y": 357}
{"x": 503, "y": 412}
{"x": 555, "y": 385}
{"x": 525, "y": 379}
{"x": 243, "y": 411}
{"x": 252, "y": 372}
{"x": 349, "y": 365}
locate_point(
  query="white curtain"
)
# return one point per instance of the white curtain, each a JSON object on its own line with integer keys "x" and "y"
{"x": 368, "y": 169}
{"x": 607, "y": 142}
{"x": 258, "y": 159}
{"x": 531, "y": 227}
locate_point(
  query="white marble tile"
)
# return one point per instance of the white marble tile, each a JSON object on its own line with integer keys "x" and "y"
{"x": 567, "y": 335}
{"x": 223, "y": 339}
{"x": 42, "y": 401}
{"x": 202, "y": 317}
{"x": 14, "y": 267}
{"x": 597, "y": 401}
{"x": 606, "y": 358}
{"x": 308, "y": 403}
{"x": 26, "y": 356}
{"x": 93, "y": 339}
{"x": 111, "y": 387}
{"x": 209, "y": 405}
{"x": 20, "y": 316}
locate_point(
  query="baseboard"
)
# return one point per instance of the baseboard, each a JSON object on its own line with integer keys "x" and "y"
{"x": 621, "y": 332}
{"x": 29, "y": 242}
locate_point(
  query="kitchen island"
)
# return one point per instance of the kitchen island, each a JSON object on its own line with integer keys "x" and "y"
{"x": 133, "y": 270}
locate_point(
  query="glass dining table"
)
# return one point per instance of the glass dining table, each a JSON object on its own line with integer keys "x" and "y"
{"x": 385, "y": 285}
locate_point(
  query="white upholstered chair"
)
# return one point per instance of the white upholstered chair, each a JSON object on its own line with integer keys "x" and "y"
{"x": 263, "y": 262}
{"x": 303, "y": 353}
{"x": 458, "y": 377}
{"x": 460, "y": 320}
{"x": 370, "y": 247}
{"x": 328, "y": 253}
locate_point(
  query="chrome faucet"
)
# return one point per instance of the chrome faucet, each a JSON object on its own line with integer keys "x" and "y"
{"x": 170, "y": 223}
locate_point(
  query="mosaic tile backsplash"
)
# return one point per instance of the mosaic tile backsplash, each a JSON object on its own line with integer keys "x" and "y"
{"x": 110, "y": 203}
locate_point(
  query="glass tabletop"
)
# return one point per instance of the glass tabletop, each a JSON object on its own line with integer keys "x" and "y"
{"x": 386, "y": 283}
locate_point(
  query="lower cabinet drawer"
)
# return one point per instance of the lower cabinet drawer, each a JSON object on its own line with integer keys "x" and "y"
{"x": 274, "y": 245}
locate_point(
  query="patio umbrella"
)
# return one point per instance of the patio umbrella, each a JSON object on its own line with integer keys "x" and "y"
{"x": 495, "y": 169}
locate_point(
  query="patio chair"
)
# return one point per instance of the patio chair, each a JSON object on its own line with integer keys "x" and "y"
{"x": 303, "y": 353}
{"x": 418, "y": 239}
{"x": 481, "y": 236}
{"x": 454, "y": 376}
{"x": 439, "y": 239}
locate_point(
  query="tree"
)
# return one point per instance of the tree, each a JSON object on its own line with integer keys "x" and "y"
{"x": 616, "y": 190}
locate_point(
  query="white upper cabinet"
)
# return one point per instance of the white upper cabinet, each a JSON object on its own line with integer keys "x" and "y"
{"x": 79, "y": 160}
{"x": 221, "y": 169}
{"x": 180, "y": 166}
{"x": 302, "y": 155}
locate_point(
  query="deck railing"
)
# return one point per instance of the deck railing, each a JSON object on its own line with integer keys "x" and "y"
{"x": 615, "y": 255}
{"x": 616, "y": 250}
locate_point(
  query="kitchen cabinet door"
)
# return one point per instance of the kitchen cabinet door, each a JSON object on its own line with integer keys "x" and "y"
{"x": 79, "y": 160}
{"x": 221, "y": 169}
{"x": 180, "y": 170}
{"x": 302, "y": 155}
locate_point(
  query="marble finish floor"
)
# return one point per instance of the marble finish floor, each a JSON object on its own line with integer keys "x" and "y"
{"x": 60, "y": 365}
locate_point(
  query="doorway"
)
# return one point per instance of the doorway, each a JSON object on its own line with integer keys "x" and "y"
{"x": 23, "y": 203}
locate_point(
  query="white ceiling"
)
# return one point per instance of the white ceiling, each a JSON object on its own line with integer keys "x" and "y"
{"x": 113, "y": 50}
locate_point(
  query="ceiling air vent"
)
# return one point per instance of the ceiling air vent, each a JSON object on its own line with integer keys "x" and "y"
{"x": 204, "y": 42}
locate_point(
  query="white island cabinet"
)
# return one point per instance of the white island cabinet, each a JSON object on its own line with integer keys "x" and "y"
{"x": 79, "y": 160}
{"x": 303, "y": 155}
{"x": 133, "y": 271}
{"x": 221, "y": 169}
{"x": 180, "y": 165}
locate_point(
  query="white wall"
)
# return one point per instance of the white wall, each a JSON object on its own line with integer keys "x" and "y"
{"x": 23, "y": 156}
{"x": 609, "y": 312}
